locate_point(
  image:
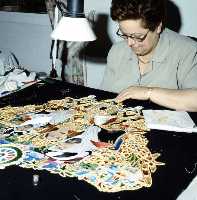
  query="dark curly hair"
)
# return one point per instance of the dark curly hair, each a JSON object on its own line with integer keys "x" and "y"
{"x": 152, "y": 12}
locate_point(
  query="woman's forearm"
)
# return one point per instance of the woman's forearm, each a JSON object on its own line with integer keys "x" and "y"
{"x": 175, "y": 99}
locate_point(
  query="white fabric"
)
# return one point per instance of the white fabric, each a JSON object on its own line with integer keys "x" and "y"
{"x": 14, "y": 80}
{"x": 7, "y": 61}
{"x": 178, "y": 121}
{"x": 191, "y": 191}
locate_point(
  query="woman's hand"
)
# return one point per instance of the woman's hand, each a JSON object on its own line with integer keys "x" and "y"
{"x": 135, "y": 92}
{"x": 184, "y": 99}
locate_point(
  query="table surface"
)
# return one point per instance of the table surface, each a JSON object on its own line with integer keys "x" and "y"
{"x": 178, "y": 151}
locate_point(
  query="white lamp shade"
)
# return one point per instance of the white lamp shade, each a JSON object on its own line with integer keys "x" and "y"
{"x": 73, "y": 29}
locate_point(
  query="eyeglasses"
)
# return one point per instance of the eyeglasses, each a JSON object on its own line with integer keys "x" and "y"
{"x": 137, "y": 37}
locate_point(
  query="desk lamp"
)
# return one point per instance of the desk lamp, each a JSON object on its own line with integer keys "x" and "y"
{"x": 73, "y": 26}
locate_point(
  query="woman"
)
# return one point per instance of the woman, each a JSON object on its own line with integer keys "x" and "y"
{"x": 152, "y": 62}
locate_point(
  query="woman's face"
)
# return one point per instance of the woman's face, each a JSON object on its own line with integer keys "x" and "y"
{"x": 141, "y": 40}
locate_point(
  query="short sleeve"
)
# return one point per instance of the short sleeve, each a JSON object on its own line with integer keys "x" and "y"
{"x": 188, "y": 70}
{"x": 109, "y": 73}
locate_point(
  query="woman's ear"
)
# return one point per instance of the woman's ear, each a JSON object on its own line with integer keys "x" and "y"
{"x": 159, "y": 28}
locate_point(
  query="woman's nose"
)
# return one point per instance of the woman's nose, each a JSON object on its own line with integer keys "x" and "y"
{"x": 131, "y": 42}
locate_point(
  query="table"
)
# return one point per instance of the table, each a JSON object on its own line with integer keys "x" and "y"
{"x": 178, "y": 151}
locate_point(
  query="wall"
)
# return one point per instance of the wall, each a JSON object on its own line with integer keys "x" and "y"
{"x": 28, "y": 35}
{"x": 188, "y": 16}
{"x": 181, "y": 18}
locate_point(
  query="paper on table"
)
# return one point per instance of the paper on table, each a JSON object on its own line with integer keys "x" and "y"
{"x": 178, "y": 121}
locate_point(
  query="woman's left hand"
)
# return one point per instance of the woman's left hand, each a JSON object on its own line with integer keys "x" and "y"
{"x": 134, "y": 92}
